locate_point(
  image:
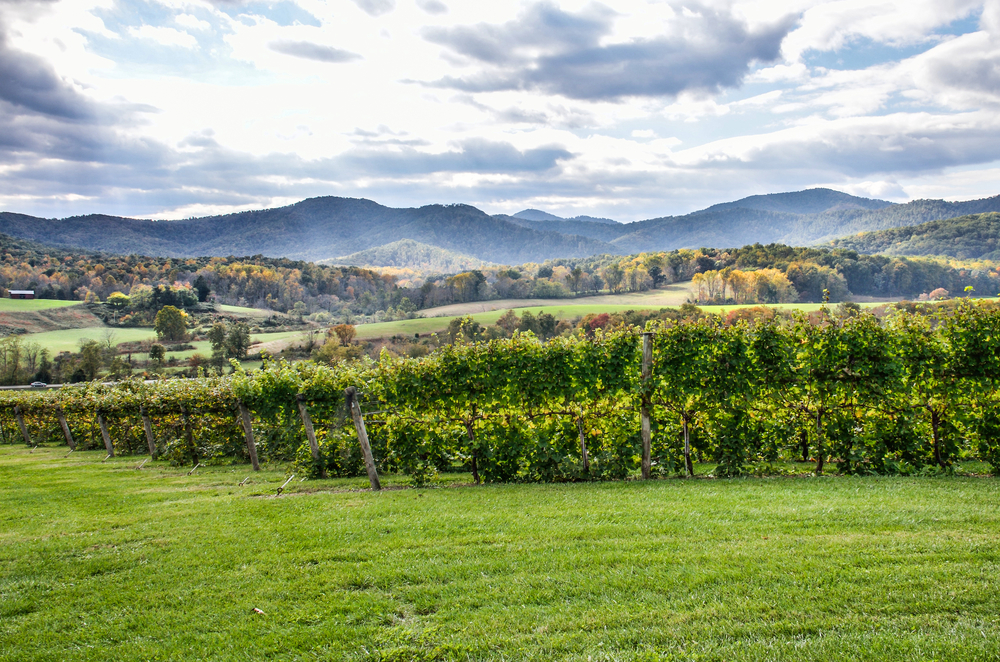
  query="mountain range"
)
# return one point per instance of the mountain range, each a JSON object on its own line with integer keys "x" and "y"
{"x": 333, "y": 229}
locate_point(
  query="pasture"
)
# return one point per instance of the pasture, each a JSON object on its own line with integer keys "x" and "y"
{"x": 101, "y": 561}
{"x": 31, "y": 305}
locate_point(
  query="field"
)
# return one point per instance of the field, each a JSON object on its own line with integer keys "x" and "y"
{"x": 99, "y": 561}
{"x": 566, "y": 309}
{"x": 68, "y": 340}
{"x": 31, "y": 305}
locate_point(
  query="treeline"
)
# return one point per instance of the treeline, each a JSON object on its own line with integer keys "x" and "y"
{"x": 270, "y": 283}
{"x": 858, "y": 395}
{"x": 753, "y": 274}
{"x": 972, "y": 237}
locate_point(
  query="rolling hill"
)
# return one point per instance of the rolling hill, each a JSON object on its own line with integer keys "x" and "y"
{"x": 314, "y": 229}
{"x": 975, "y": 236}
{"x": 335, "y": 229}
{"x": 410, "y": 254}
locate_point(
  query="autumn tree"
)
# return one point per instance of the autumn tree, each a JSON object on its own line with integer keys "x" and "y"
{"x": 171, "y": 323}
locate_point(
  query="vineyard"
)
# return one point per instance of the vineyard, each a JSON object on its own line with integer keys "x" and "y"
{"x": 859, "y": 395}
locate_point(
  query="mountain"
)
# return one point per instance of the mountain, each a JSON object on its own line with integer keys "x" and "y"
{"x": 729, "y": 225}
{"x": 407, "y": 253}
{"x": 314, "y": 229}
{"x": 539, "y": 215}
{"x": 810, "y": 201}
{"x": 603, "y": 232}
{"x": 330, "y": 228}
{"x": 975, "y": 236}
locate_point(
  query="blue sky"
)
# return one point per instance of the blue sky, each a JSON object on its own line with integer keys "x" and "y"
{"x": 630, "y": 110}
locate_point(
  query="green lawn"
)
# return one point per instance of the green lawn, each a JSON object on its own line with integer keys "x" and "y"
{"x": 241, "y": 310}
{"x": 68, "y": 340}
{"x": 99, "y": 562}
{"x": 28, "y": 305}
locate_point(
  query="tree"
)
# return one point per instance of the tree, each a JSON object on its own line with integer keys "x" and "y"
{"x": 345, "y": 332}
{"x": 238, "y": 341}
{"x": 508, "y": 322}
{"x": 156, "y": 353}
{"x": 202, "y": 288}
{"x": 613, "y": 275}
{"x": 171, "y": 323}
{"x": 90, "y": 359}
{"x": 118, "y": 303}
{"x": 44, "y": 373}
{"x": 217, "y": 338}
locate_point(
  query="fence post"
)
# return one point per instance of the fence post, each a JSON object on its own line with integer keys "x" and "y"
{"x": 189, "y": 437}
{"x": 65, "y": 427}
{"x": 359, "y": 425}
{"x": 248, "y": 431}
{"x": 20, "y": 424}
{"x": 583, "y": 445}
{"x": 105, "y": 435}
{"x": 310, "y": 433}
{"x": 147, "y": 426}
{"x": 647, "y": 373}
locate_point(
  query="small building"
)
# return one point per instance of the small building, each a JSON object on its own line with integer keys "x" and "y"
{"x": 21, "y": 294}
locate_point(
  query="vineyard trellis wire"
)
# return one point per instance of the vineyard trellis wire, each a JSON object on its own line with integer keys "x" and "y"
{"x": 898, "y": 395}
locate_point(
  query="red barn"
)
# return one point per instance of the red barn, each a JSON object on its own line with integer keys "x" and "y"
{"x": 22, "y": 294}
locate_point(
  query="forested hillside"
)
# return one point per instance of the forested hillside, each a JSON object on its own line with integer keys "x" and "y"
{"x": 314, "y": 229}
{"x": 410, "y": 254}
{"x": 976, "y": 236}
{"x": 277, "y": 284}
{"x": 756, "y": 273}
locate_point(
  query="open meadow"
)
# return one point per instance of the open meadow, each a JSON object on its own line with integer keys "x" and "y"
{"x": 99, "y": 561}
{"x": 31, "y": 305}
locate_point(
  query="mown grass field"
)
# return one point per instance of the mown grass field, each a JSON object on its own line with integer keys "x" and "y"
{"x": 28, "y": 305}
{"x": 100, "y": 561}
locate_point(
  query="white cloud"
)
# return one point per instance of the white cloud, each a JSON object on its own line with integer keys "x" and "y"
{"x": 268, "y": 102}
{"x": 165, "y": 36}
{"x": 192, "y": 22}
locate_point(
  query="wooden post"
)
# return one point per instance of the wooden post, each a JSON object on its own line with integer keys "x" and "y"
{"x": 310, "y": 433}
{"x": 583, "y": 445}
{"x": 105, "y": 435}
{"x": 647, "y": 437}
{"x": 65, "y": 427}
{"x": 189, "y": 437}
{"x": 20, "y": 424}
{"x": 147, "y": 425}
{"x": 248, "y": 431}
{"x": 359, "y": 425}
{"x": 688, "y": 466}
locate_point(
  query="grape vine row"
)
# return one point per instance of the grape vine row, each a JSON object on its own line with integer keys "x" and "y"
{"x": 898, "y": 395}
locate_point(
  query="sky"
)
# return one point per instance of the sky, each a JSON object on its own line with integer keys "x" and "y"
{"x": 631, "y": 109}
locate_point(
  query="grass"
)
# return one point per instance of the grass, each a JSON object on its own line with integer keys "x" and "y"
{"x": 242, "y": 310}
{"x": 30, "y": 305}
{"x": 68, "y": 340}
{"x": 566, "y": 311}
{"x": 99, "y": 561}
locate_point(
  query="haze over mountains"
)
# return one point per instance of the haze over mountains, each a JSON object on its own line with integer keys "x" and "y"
{"x": 330, "y": 228}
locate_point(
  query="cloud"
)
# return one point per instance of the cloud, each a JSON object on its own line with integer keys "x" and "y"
{"x": 549, "y": 50}
{"x": 192, "y": 22}
{"x": 376, "y": 7}
{"x": 901, "y": 143}
{"x": 310, "y": 51}
{"x": 31, "y": 85}
{"x": 473, "y": 156}
{"x": 433, "y": 6}
{"x": 165, "y": 36}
